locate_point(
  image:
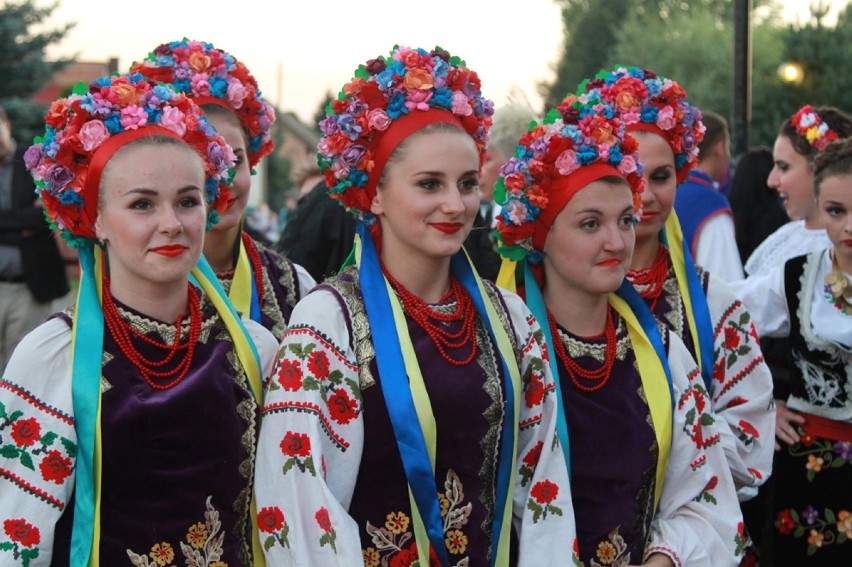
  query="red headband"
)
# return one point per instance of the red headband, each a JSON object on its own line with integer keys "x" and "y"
{"x": 399, "y": 130}
{"x": 102, "y": 156}
{"x": 563, "y": 190}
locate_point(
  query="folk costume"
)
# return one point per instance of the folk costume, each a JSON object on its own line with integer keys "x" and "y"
{"x": 397, "y": 431}
{"x": 700, "y": 309}
{"x": 264, "y": 284}
{"x": 647, "y": 470}
{"x": 115, "y": 452}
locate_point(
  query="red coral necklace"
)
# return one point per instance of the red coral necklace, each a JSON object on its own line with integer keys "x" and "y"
{"x": 435, "y": 323}
{"x": 124, "y": 333}
{"x": 600, "y": 375}
{"x": 649, "y": 281}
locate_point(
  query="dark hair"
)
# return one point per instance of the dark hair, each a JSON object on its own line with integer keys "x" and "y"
{"x": 836, "y": 119}
{"x": 716, "y": 130}
{"x": 835, "y": 159}
{"x": 757, "y": 208}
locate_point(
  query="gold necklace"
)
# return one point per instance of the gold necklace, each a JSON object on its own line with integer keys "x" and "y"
{"x": 839, "y": 285}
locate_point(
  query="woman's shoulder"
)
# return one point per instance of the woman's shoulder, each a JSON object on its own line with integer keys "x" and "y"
{"x": 43, "y": 357}
{"x": 791, "y": 239}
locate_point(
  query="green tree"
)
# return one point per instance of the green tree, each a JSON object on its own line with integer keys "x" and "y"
{"x": 278, "y": 170}
{"x": 23, "y": 67}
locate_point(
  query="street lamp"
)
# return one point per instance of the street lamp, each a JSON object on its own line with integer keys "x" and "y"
{"x": 791, "y": 72}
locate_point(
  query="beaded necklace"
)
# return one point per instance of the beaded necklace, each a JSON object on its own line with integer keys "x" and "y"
{"x": 435, "y": 323}
{"x": 600, "y": 375}
{"x": 123, "y": 334}
{"x": 649, "y": 281}
{"x": 839, "y": 286}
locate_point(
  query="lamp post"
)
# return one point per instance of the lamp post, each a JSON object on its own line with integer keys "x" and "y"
{"x": 742, "y": 77}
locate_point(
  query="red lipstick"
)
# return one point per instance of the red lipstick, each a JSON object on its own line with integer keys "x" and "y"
{"x": 447, "y": 227}
{"x": 609, "y": 263}
{"x": 170, "y": 250}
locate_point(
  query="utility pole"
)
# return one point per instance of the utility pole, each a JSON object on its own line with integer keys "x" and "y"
{"x": 742, "y": 77}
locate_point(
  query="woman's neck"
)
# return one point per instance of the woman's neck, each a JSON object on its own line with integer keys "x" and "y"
{"x": 580, "y": 313}
{"x": 428, "y": 281}
{"x": 645, "y": 252}
{"x": 812, "y": 221}
{"x": 162, "y": 302}
{"x": 219, "y": 248}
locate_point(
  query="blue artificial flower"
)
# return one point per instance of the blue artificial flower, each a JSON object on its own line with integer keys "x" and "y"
{"x": 113, "y": 123}
{"x": 183, "y": 85}
{"x": 615, "y": 155}
{"x": 442, "y": 98}
{"x": 654, "y": 87}
{"x": 218, "y": 87}
{"x": 154, "y": 114}
{"x": 254, "y": 143}
{"x": 680, "y": 160}
{"x": 586, "y": 155}
{"x": 357, "y": 177}
{"x": 349, "y": 126}
{"x": 70, "y": 197}
{"x": 396, "y": 106}
{"x": 649, "y": 115}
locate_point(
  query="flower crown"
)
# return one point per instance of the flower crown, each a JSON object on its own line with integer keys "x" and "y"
{"x": 576, "y": 137}
{"x": 646, "y": 101}
{"x": 385, "y": 89}
{"x": 77, "y": 127}
{"x": 207, "y": 74}
{"x": 810, "y": 126}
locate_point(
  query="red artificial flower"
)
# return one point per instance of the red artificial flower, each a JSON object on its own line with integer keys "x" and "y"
{"x": 341, "y": 407}
{"x": 531, "y": 458}
{"x": 785, "y": 523}
{"x": 732, "y": 338}
{"x": 22, "y": 532}
{"x": 270, "y": 520}
{"x": 296, "y": 444}
{"x": 318, "y": 364}
{"x": 339, "y": 106}
{"x": 55, "y": 467}
{"x": 57, "y": 114}
{"x": 26, "y": 432}
{"x": 544, "y": 492}
{"x": 290, "y": 374}
{"x": 512, "y": 233}
{"x": 323, "y": 520}
{"x": 535, "y": 392}
{"x": 372, "y": 96}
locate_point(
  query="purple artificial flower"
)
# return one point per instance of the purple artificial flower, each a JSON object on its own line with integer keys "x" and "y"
{"x": 32, "y": 156}
{"x": 353, "y": 154}
{"x": 328, "y": 125}
{"x": 57, "y": 178}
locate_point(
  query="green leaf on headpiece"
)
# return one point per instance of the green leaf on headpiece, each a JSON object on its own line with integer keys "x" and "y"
{"x": 552, "y": 116}
{"x": 456, "y": 61}
{"x": 500, "y": 191}
{"x": 80, "y": 88}
{"x": 514, "y": 252}
{"x": 361, "y": 72}
{"x": 582, "y": 87}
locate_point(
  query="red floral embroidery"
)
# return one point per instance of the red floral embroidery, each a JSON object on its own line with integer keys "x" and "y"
{"x": 535, "y": 392}
{"x": 270, "y": 520}
{"x": 22, "y": 532}
{"x": 712, "y": 483}
{"x": 318, "y": 364}
{"x": 408, "y": 557}
{"x": 323, "y": 520}
{"x": 749, "y": 429}
{"x": 26, "y": 432}
{"x": 732, "y": 338}
{"x": 531, "y": 458}
{"x": 55, "y": 467}
{"x": 719, "y": 370}
{"x": 544, "y": 492}
{"x": 341, "y": 407}
{"x": 785, "y": 522}
{"x": 296, "y": 444}
{"x": 290, "y": 375}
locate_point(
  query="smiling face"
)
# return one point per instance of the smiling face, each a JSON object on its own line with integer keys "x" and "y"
{"x": 660, "y": 184}
{"x": 793, "y": 178}
{"x": 428, "y": 196}
{"x": 588, "y": 249}
{"x": 151, "y": 214}
{"x": 227, "y": 124}
{"x": 835, "y": 210}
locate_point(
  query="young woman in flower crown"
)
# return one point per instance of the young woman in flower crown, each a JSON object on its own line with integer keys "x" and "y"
{"x": 699, "y": 308}
{"x": 261, "y": 282}
{"x": 129, "y": 422}
{"x": 649, "y": 479}
{"x": 809, "y": 300}
{"x": 411, "y": 415}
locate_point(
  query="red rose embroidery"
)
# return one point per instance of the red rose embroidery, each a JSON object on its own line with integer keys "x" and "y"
{"x": 270, "y": 520}
{"x": 719, "y": 371}
{"x": 296, "y": 444}
{"x": 732, "y": 338}
{"x": 341, "y": 407}
{"x": 531, "y": 458}
{"x": 712, "y": 484}
{"x": 535, "y": 392}
{"x": 785, "y": 522}
{"x": 22, "y": 532}
{"x": 290, "y": 375}
{"x": 323, "y": 520}
{"x": 26, "y": 432}
{"x": 55, "y": 467}
{"x": 318, "y": 364}
{"x": 749, "y": 429}
{"x": 544, "y": 492}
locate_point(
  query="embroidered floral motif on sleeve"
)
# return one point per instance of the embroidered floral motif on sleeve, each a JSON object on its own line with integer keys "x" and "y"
{"x": 542, "y": 494}
{"x": 297, "y": 449}
{"x": 23, "y": 540}
{"x": 271, "y": 521}
{"x": 27, "y": 444}
{"x": 329, "y": 535}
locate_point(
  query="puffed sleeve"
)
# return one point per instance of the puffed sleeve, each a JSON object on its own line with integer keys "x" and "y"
{"x": 38, "y": 444}
{"x": 306, "y": 280}
{"x": 311, "y": 440}
{"x": 741, "y": 391}
{"x": 543, "y": 511}
{"x": 698, "y": 522}
{"x": 764, "y": 296}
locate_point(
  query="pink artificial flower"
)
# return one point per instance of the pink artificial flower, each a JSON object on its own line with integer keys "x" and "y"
{"x": 172, "y": 119}
{"x": 418, "y": 100}
{"x": 461, "y": 104}
{"x": 378, "y": 119}
{"x": 627, "y": 165}
{"x": 566, "y": 163}
{"x": 603, "y": 152}
{"x": 236, "y": 94}
{"x": 92, "y": 134}
{"x": 200, "y": 84}
{"x": 631, "y": 117}
{"x": 516, "y": 212}
{"x": 133, "y": 117}
{"x": 665, "y": 118}
{"x": 340, "y": 169}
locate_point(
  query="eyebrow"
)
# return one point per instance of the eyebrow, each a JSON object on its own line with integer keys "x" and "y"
{"x": 146, "y": 191}
{"x": 600, "y": 212}
{"x": 443, "y": 173}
